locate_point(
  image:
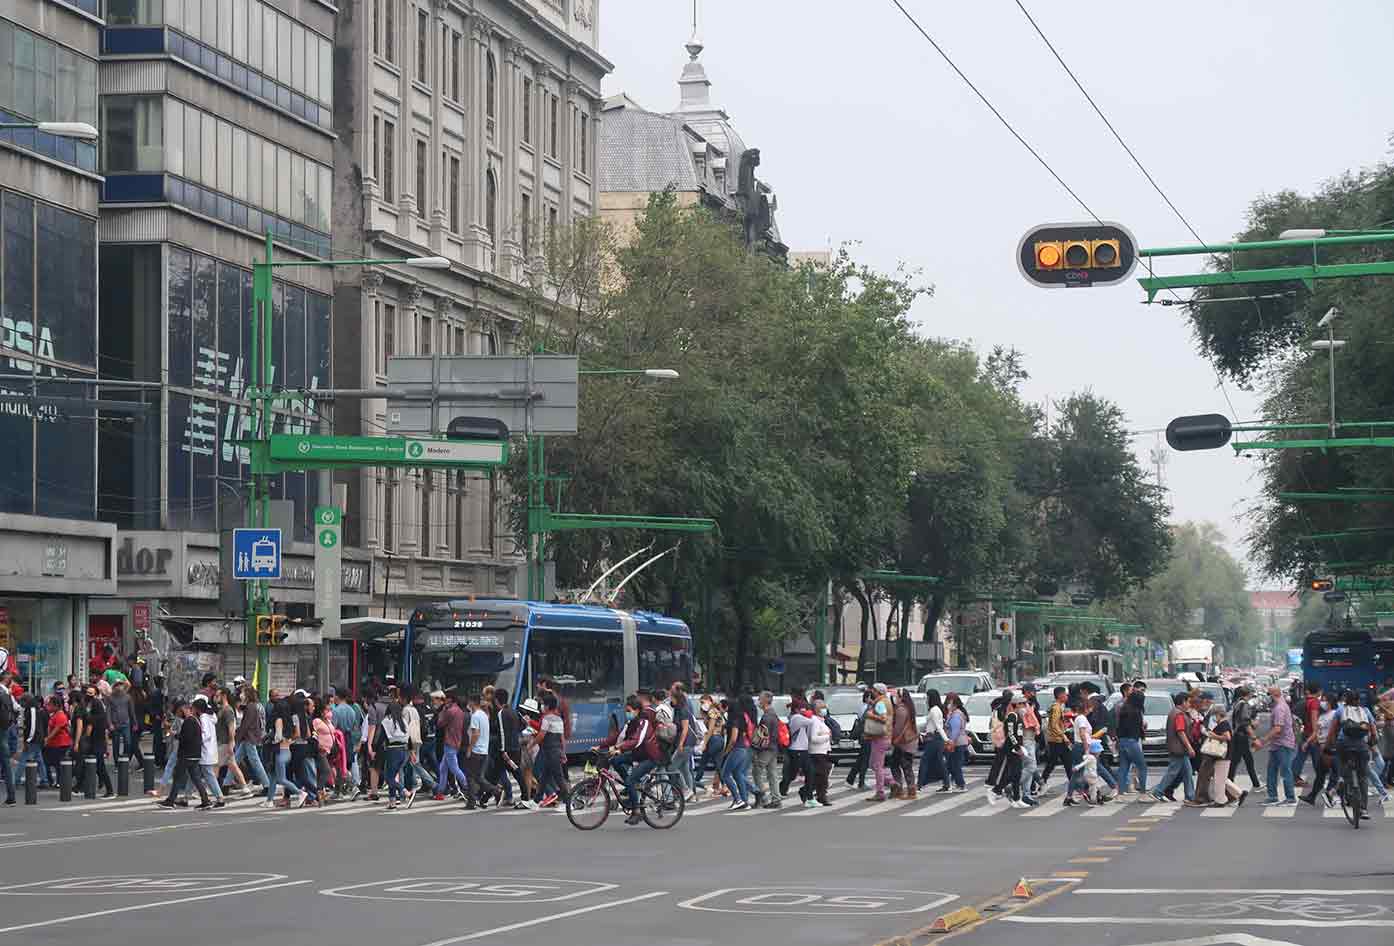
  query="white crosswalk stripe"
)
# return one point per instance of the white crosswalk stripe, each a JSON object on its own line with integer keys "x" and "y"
{"x": 1226, "y": 812}
{"x": 1280, "y": 811}
{"x": 1047, "y": 808}
{"x": 948, "y": 804}
{"x": 1109, "y": 810}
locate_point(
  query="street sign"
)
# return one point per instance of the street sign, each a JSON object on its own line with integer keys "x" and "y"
{"x": 256, "y": 554}
{"x": 316, "y": 451}
{"x": 1005, "y": 627}
{"x": 527, "y": 392}
{"x": 329, "y": 521}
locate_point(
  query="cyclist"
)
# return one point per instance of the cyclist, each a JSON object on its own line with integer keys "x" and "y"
{"x": 634, "y": 752}
{"x": 1354, "y": 728}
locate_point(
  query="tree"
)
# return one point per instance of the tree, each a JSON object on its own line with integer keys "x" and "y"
{"x": 1261, "y": 342}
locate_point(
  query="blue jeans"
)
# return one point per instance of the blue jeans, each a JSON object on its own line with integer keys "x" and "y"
{"x": 1280, "y": 760}
{"x": 932, "y": 762}
{"x": 450, "y": 765}
{"x": 1179, "y": 771}
{"x": 1076, "y": 782}
{"x": 1130, "y": 758}
{"x": 631, "y": 781}
{"x": 248, "y": 758}
{"x": 710, "y": 759}
{"x": 735, "y": 774}
{"x": 281, "y": 781}
{"x": 1302, "y": 754}
{"x": 393, "y": 760}
{"x": 1028, "y": 769}
{"x": 682, "y": 768}
{"x": 955, "y": 760}
{"x": 34, "y": 752}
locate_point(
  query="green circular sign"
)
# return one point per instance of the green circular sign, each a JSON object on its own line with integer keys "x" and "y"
{"x": 328, "y": 539}
{"x": 415, "y": 450}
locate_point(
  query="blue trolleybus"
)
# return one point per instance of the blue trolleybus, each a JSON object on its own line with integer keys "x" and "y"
{"x": 596, "y": 655}
{"x": 1347, "y": 659}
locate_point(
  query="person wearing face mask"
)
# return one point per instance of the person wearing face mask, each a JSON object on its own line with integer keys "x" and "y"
{"x": 820, "y": 744}
{"x": 713, "y": 743}
{"x": 1324, "y": 775}
{"x": 636, "y": 752}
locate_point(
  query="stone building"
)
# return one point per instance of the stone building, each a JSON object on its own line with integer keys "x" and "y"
{"x": 465, "y": 130}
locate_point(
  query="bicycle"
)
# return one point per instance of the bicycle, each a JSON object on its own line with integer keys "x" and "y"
{"x": 1349, "y": 789}
{"x": 1307, "y": 908}
{"x": 661, "y": 801}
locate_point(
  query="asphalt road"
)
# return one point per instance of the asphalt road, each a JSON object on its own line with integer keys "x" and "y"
{"x": 852, "y": 874}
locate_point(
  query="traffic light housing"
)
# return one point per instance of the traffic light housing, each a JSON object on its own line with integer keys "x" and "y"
{"x": 1199, "y": 432}
{"x": 1323, "y": 584}
{"x": 1074, "y": 255}
{"x": 271, "y": 630}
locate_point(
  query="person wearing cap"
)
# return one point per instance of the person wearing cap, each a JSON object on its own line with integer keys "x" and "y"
{"x": 876, "y": 728}
{"x": 529, "y": 745}
{"x": 1013, "y": 748}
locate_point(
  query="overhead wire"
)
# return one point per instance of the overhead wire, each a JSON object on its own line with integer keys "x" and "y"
{"x": 1234, "y": 414}
{"x": 992, "y": 108}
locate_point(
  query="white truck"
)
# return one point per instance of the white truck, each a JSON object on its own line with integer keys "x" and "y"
{"x": 1193, "y": 659}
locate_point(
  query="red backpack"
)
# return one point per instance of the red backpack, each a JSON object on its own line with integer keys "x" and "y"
{"x": 783, "y": 734}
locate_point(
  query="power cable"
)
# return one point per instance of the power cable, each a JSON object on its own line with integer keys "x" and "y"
{"x": 1095, "y": 105}
{"x": 992, "y": 108}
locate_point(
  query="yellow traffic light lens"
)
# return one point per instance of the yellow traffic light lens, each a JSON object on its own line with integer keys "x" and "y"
{"x": 1105, "y": 253}
{"x": 1077, "y": 255}
{"x": 1047, "y": 256}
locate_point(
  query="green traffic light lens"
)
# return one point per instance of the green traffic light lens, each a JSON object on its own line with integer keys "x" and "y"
{"x": 1105, "y": 254}
{"x": 1076, "y": 255}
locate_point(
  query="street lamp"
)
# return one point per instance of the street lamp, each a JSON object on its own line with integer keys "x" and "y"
{"x": 1330, "y": 344}
{"x": 79, "y": 130}
{"x": 258, "y": 498}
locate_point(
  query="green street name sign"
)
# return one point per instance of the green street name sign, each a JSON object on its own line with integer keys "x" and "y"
{"x": 314, "y": 451}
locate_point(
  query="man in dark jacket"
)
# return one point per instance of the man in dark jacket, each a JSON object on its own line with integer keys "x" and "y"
{"x": 636, "y": 751}
{"x": 189, "y": 746}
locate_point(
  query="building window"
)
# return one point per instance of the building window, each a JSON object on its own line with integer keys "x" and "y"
{"x": 133, "y": 133}
{"x": 583, "y": 146}
{"x": 427, "y": 478}
{"x": 553, "y": 105}
{"x": 423, "y": 47}
{"x": 527, "y": 111}
{"x": 454, "y": 194}
{"x": 455, "y": 66}
{"x": 389, "y": 501}
{"x": 377, "y": 27}
{"x": 490, "y": 87}
{"x": 376, "y": 144}
{"x": 421, "y": 171}
{"x": 459, "y": 341}
{"x": 525, "y": 224}
{"x": 389, "y": 30}
{"x": 491, "y": 205}
{"x": 423, "y": 335}
{"x": 389, "y": 334}
{"x": 389, "y": 136}
{"x": 443, "y": 60}
{"x": 551, "y": 222}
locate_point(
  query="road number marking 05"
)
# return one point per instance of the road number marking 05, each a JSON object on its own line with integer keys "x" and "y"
{"x": 813, "y": 899}
{"x": 441, "y": 886}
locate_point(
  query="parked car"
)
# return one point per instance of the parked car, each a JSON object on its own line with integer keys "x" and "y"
{"x": 962, "y": 682}
{"x": 1068, "y": 678}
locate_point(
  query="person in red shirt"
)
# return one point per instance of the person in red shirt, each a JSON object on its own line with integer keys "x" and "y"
{"x": 451, "y": 724}
{"x": 636, "y": 752}
{"x": 58, "y": 740}
{"x": 1311, "y": 711}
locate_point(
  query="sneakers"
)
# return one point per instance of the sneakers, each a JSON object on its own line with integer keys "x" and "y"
{"x": 206, "y": 806}
{"x": 771, "y": 805}
{"x": 740, "y": 806}
{"x": 549, "y": 800}
{"x": 822, "y": 801}
{"x": 164, "y": 804}
{"x": 391, "y": 806}
{"x": 1030, "y": 803}
{"x": 1243, "y": 796}
{"x": 959, "y": 789}
{"x": 304, "y": 800}
{"x": 992, "y": 797}
{"x": 810, "y": 803}
{"x": 634, "y": 819}
{"x": 411, "y": 797}
{"x": 1271, "y": 802}
{"x": 268, "y": 803}
{"x": 220, "y": 803}
{"x": 943, "y": 791}
{"x": 1015, "y": 803}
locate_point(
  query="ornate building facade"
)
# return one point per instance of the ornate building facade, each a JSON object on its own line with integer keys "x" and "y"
{"x": 465, "y": 130}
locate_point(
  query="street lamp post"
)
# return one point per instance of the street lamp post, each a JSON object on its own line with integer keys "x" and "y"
{"x": 80, "y": 130}
{"x": 537, "y": 481}
{"x": 261, "y": 395}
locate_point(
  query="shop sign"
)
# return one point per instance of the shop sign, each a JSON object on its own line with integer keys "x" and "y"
{"x": 55, "y": 559}
{"x": 140, "y": 616}
{"x": 355, "y": 577}
{"x": 142, "y": 561}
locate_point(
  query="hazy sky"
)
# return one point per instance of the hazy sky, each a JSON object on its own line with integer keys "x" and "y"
{"x": 867, "y": 136}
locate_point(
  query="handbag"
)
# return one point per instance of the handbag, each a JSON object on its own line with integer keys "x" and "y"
{"x": 1214, "y": 748}
{"x": 873, "y": 728}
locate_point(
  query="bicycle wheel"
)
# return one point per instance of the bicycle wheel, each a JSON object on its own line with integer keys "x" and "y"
{"x": 661, "y": 803}
{"x": 588, "y": 806}
{"x": 1350, "y": 797}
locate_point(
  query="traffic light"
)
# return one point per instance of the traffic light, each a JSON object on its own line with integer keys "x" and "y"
{"x": 1323, "y": 584}
{"x": 1062, "y": 255}
{"x": 1199, "y": 432}
{"x": 271, "y": 630}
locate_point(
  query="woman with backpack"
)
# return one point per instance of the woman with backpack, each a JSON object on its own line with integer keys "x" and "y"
{"x": 905, "y": 737}
{"x": 741, "y": 720}
{"x": 395, "y": 736}
{"x": 876, "y": 728}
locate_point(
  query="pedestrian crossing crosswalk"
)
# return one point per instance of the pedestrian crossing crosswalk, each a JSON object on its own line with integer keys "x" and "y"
{"x": 847, "y": 802}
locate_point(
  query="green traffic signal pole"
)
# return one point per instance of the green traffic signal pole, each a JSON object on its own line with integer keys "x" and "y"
{"x": 261, "y": 394}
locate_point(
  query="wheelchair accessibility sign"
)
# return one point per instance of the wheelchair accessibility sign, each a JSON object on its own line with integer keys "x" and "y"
{"x": 256, "y": 554}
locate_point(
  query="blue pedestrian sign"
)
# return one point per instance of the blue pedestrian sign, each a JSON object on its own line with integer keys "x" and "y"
{"x": 256, "y": 554}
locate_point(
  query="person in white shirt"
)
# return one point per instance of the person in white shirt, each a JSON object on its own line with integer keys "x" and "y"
{"x": 478, "y": 740}
{"x": 208, "y": 758}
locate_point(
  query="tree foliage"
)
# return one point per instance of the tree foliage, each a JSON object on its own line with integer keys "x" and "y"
{"x": 824, "y": 435}
{"x": 1264, "y": 343}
